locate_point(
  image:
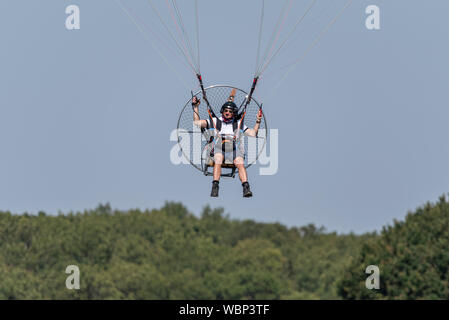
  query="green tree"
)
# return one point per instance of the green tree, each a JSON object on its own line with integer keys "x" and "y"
{"x": 412, "y": 256}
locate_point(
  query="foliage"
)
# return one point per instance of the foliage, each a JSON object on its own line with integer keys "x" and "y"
{"x": 168, "y": 254}
{"x": 412, "y": 256}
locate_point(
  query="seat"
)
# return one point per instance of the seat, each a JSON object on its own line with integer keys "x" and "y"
{"x": 223, "y": 165}
{"x": 226, "y": 165}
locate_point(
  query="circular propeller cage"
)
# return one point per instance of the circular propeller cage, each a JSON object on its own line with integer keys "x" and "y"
{"x": 195, "y": 143}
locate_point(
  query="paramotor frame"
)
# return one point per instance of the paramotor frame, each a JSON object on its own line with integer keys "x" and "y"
{"x": 195, "y": 143}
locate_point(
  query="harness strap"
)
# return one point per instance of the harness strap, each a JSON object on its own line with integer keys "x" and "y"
{"x": 239, "y": 125}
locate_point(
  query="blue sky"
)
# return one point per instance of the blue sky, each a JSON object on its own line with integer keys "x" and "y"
{"x": 86, "y": 115}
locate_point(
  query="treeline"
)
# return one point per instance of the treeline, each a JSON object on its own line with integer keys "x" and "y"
{"x": 168, "y": 254}
{"x": 172, "y": 254}
{"x": 412, "y": 256}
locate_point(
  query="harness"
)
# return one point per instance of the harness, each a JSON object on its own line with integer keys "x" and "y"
{"x": 222, "y": 138}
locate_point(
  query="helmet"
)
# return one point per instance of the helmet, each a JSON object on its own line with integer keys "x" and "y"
{"x": 231, "y": 105}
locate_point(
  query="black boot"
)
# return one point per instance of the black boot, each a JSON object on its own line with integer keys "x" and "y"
{"x": 215, "y": 187}
{"x": 246, "y": 191}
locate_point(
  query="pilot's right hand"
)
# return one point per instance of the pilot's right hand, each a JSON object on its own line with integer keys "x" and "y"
{"x": 195, "y": 101}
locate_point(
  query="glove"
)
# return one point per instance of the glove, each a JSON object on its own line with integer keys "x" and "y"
{"x": 259, "y": 116}
{"x": 195, "y": 102}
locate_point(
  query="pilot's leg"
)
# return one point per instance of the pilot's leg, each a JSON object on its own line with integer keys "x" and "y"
{"x": 240, "y": 164}
{"x": 218, "y": 160}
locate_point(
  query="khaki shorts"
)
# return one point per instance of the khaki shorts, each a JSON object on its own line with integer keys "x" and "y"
{"x": 231, "y": 155}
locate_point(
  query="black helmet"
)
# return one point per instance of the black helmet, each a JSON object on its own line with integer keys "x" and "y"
{"x": 231, "y": 105}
